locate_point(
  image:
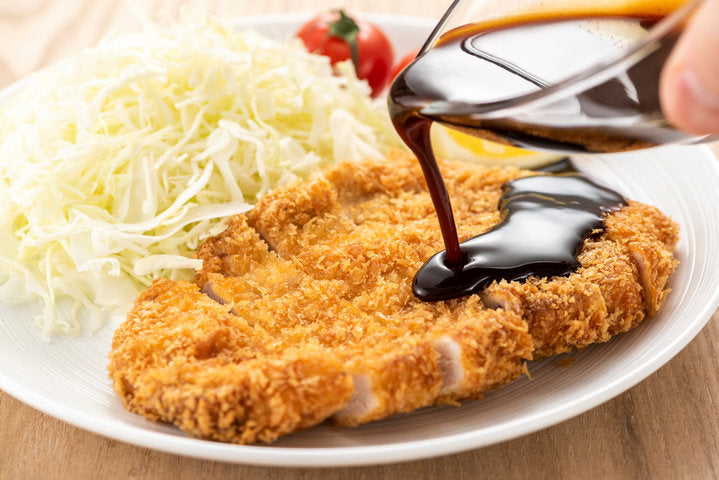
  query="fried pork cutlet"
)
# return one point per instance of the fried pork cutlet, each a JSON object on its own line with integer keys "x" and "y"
{"x": 304, "y": 311}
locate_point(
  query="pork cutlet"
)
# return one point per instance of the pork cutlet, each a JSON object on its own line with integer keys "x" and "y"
{"x": 303, "y": 310}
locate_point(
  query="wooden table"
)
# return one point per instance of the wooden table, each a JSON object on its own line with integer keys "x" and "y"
{"x": 665, "y": 427}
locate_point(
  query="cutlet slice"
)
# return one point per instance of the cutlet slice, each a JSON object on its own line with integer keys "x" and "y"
{"x": 650, "y": 237}
{"x": 182, "y": 358}
{"x": 623, "y": 279}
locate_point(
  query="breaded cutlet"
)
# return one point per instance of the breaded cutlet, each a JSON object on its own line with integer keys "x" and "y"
{"x": 304, "y": 311}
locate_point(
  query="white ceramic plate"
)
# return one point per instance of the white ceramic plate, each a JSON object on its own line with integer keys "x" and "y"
{"x": 67, "y": 378}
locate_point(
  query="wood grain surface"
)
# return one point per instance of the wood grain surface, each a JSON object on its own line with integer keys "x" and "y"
{"x": 665, "y": 427}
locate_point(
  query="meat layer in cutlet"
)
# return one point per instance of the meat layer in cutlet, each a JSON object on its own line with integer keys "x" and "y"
{"x": 313, "y": 314}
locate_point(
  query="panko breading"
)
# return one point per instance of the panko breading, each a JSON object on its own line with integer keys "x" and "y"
{"x": 304, "y": 311}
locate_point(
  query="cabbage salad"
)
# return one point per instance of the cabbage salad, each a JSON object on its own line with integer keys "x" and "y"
{"x": 116, "y": 163}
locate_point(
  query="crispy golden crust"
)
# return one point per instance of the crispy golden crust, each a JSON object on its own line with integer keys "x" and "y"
{"x": 363, "y": 310}
{"x": 306, "y": 303}
{"x": 182, "y": 358}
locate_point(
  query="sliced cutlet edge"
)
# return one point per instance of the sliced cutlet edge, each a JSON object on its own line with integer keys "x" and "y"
{"x": 650, "y": 237}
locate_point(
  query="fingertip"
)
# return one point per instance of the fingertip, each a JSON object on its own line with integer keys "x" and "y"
{"x": 689, "y": 86}
{"x": 688, "y": 103}
{"x": 670, "y": 93}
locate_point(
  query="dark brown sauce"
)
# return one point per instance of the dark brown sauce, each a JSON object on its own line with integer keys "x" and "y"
{"x": 546, "y": 220}
{"x": 472, "y": 82}
{"x": 547, "y": 217}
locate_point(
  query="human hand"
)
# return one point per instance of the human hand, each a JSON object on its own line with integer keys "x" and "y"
{"x": 689, "y": 86}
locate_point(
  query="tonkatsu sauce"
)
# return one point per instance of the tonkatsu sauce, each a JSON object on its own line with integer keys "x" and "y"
{"x": 546, "y": 218}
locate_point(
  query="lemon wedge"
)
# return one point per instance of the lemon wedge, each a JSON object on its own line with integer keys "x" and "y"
{"x": 452, "y": 144}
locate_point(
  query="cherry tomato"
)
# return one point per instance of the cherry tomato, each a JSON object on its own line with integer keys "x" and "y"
{"x": 340, "y": 37}
{"x": 406, "y": 60}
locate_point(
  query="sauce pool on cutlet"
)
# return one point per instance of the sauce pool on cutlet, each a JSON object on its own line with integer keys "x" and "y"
{"x": 546, "y": 219}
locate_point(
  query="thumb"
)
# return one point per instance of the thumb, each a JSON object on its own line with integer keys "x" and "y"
{"x": 689, "y": 86}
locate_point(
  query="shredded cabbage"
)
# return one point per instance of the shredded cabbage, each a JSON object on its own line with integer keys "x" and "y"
{"x": 116, "y": 163}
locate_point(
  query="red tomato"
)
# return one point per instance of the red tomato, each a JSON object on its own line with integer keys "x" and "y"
{"x": 340, "y": 37}
{"x": 406, "y": 60}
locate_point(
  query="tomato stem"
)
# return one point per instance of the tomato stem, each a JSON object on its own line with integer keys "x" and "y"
{"x": 345, "y": 28}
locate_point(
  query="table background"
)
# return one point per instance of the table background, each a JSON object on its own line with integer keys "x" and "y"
{"x": 665, "y": 427}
